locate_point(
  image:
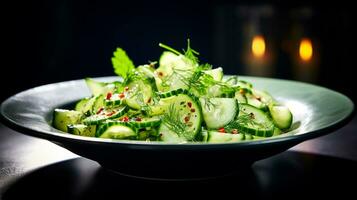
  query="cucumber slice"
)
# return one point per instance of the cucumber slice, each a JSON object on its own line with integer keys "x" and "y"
{"x": 62, "y": 118}
{"x": 81, "y": 105}
{"x": 185, "y": 110}
{"x": 254, "y": 121}
{"x": 169, "y": 63}
{"x": 240, "y": 97}
{"x": 104, "y": 115}
{"x": 220, "y": 92}
{"x": 98, "y": 88}
{"x": 282, "y": 116}
{"x": 139, "y": 94}
{"x": 217, "y": 74}
{"x": 119, "y": 132}
{"x": 218, "y": 112}
{"x": 113, "y": 101}
{"x": 82, "y": 130}
{"x": 169, "y": 136}
{"x": 218, "y": 137}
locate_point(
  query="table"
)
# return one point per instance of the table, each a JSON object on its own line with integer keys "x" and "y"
{"x": 37, "y": 169}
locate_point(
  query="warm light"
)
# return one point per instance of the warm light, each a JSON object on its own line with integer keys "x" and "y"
{"x": 305, "y": 49}
{"x": 258, "y": 46}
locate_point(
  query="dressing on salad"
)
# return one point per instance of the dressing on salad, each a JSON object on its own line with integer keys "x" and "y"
{"x": 176, "y": 100}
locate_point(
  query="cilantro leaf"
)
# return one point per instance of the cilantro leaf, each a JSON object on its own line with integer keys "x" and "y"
{"x": 121, "y": 63}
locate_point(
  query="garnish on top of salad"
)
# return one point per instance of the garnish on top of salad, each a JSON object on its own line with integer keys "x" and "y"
{"x": 176, "y": 100}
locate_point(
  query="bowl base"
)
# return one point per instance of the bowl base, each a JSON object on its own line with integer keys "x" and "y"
{"x": 179, "y": 174}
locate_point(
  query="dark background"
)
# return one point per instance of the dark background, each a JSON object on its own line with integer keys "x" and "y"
{"x": 52, "y": 41}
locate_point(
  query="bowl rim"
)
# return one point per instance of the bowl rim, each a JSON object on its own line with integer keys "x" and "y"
{"x": 60, "y": 136}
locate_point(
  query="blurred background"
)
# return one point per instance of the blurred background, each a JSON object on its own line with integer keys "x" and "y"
{"x": 52, "y": 41}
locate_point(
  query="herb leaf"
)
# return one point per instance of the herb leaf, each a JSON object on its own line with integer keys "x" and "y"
{"x": 121, "y": 63}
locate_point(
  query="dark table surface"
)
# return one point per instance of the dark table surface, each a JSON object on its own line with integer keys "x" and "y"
{"x": 37, "y": 169}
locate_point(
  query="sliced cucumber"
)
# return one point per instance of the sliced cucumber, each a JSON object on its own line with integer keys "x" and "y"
{"x": 119, "y": 132}
{"x": 186, "y": 110}
{"x": 218, "y": 112}
{"x": 218, "y": 137}
{"x": 240, "y": 97}
{"x": 255, "y": 121}
{"x": 139, "y": 94}
{"x": 104, "y": 115}
{"x": 217, "y": 74}
{"x": 98, "y": 88}
{"x": 113, "y": 101}
{"x": 220, "y": 91}
{"x": 62, "y": 118}
{"x": 169, "y": 136}
{"x": 282, "y": 116}
{"x": 172, "y": 69}
{"x": 82, "y": 130}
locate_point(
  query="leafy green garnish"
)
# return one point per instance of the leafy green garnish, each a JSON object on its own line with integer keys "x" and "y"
{"x": 188, "y": 53}
{"x": 121, "y": 63}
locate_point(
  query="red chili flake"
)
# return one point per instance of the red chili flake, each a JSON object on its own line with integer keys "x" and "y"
{"x": 193, "y": 110}
{"x": 258, "y": 98}
{"x": 149, "y": 100}
{"x": 187, "y": 118}
{"x": 109, "y": 95}
{"x": 234, "y": 131}
{"x": 100, "y": 110}
{"x": 138, "y": 119}
{"x": 121, "y": 95}
{"x": 125, "y": 119}
{"x": 221, "y": 130}
{"x": 189, "y": 104}
{"x": 160, "y": 74}
{"x": 111, "y": 113}
{"x": 126, "y": 88}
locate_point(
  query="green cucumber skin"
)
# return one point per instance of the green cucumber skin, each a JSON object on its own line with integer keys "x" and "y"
{"x": 268, "y": 131}
{"x": 62, "y": 118}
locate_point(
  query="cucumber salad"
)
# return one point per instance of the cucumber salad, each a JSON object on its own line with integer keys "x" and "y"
{"x": 176, "y": 100}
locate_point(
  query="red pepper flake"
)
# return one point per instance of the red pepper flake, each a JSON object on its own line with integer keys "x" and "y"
{"x": 187, "y": 118}
{"x": 125, "y": 119}
{"x": 121, "y": 95}
{"x": 193, "y": 110}
{"x": 221, "y": 130}
{"x": 189, "y": 104}
{"x": 100, "y": 110}
{"x": 234, "y": 131}
{"x": 109, "y": 95}
{"x": 138, "y": 119}
{"x": 149, "y": 100}
{"x": 258, "y": 98}
{"x": 111, "y": 113}
{"x": 126, "y": 88}
{"x": 160, "y": 74}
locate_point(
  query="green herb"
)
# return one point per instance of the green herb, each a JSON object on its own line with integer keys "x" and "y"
{"x": 188, "y": 53}
{"x": 121, "y": 63}
{"x": 173, "y": 122}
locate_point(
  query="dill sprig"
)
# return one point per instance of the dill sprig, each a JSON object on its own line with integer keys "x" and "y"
{"x": 172, "y": 120}
{"x": 188, "y": 53}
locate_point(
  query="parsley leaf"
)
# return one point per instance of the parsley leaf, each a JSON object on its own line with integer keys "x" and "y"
{"x": 121, "y": 63}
